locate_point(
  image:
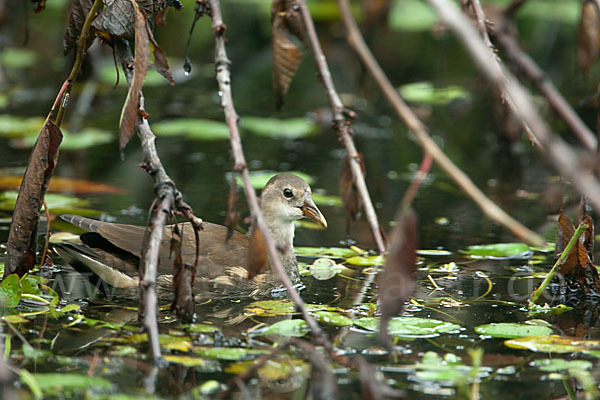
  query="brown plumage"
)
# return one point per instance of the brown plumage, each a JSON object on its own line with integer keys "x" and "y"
{"x": 110, "y": 252}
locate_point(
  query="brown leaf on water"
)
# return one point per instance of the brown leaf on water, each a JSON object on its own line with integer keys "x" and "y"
{"x": 397, "y": 281}
{"x": 129, "y": 114}
{"x": 233, "y": 216}
{"x": 588, "y": 36}
{"x": 60, "y": 184}
{"x": 287, "y": 55}
{"x": 20, "y": 252}
{"x": 257, "y": 253}
{"x": 183, "y": 303}
{"x": 348, "y": 191}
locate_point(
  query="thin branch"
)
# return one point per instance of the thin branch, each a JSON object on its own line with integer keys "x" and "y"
{"x": 559, "y": 153}
{"x": 415, "y": 125}
{"x": 223, "y": 76}
{"x": 528, "y": 66}
{"x": 340, "y": 119}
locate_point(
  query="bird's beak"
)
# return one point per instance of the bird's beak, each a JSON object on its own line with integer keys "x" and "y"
{"x": 310, "y": 211}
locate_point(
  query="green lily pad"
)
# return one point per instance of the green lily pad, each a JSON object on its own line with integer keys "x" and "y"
{"x": 332, "y": 318}
{"x": 292, "y": 128}
{"x": 54, "y": 384}
{"x": 554, "y": 344}
{"x": 169, "y": 342}
{"x": 270, "y": 308}
{"x": 546, "y": 309}
{"x": 366, "y": 261}
{"x": 14, "y": 319}
{"x": 499, "y": 250}
{"x": 409, "y": 326}
{"x": 84, "y": 139}
{"x": 424, "y": 92}
{"x": 196, "y": 129}
{"x": 12, "y": 126}
{"x": 325, "y": 268}
{"x": 10, "y": 291}
{"x": 288, "y": 327}
{"x": 508, "y": 330}
{"x": 338, "y": 252}
{"x": 327, "y": 200}
{"x": 18, "y": 58}
{"x": 411, "y": 15}
{"x": 53, "y": 200}
{"x": 228, "y": 353}
{"x": 433, "y": 252}
{"x": 258, "y": 179}
{"x": 558, "y": 364}
{"x": 275, "y": 370}
{"x": 450, "y": 368}
{"x": 200, "y": 328}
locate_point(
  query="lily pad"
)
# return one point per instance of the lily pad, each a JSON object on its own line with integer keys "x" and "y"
{"x": 366, "y": 261}
{"x": 54, "y": 384}
{"x": 409, "y": 326}
{"x": 18, "y": 58}
{"x": 258, "y": 179}
{"x": 196, "y": 129}
{"x": 83, "y": 139}
{"x": 12, "y": 126}
{"x": 508, "y": 330}
{"x": 499, "y": 251}
{"x": 324, "y": 269}
{"x": 338, "y": 252}
{"x": 274, "y": 370}
{"x": 169, "y": 342}
{"x": 554, "y": 344}
{"x": 270, "y": 308}
{"x": 327, "y": 200}
{"x": 53, "y": 200}
{"x": 228, "y": 353}
{"x": 200, "y": 328}
{"x": 288, "y": 328}
{"x": 558, "y": 364}
{"x": 425, "y": 92}
{"x": 333, "y": 318}
{"x": 292, "y": 128}
{"x": 10, "y": 291}
{"x": 411, "y": 15}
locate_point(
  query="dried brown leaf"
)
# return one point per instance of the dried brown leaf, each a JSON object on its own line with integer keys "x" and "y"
{"x": 348, "y": 190}
{"x": 564, "y": 233}
{"x": 160, "y": 59}
{"x": 286, "y": 54}
{"x": 257, "y": 253}
{"x": 20, "y": 253}
{"x": 79, "y": 11}
{"x": 588, "y": 36}
{"x": 129, "y": 114}
{"x": 397, "y": 281}
{"x": 233, "y": 216}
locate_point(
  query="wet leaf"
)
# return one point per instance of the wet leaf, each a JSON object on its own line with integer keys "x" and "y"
{"x": 186, "y": 360}
{"x": 200, "y": 328}
{"x": 433, "y": 252}
{"x": 270, "y": 308}
{"x": 259, "y": 179}
{"x": 411, "y": 15}
{"x": 84, "y": 139}
{"x": 12, "y": 126}
{"x": 292, "y": 128}
{"x": 546, "y": 309}
{"x": 409, "y": 326}
{"x": 366, "y": 261}
{"x": 337, "y": 252}
{"x": 558, "y": 364}
{"x": 169, "y": 342}
{"x": 332, "y": 318}
{"x": 288, "y": 327}
{"x": 10, "y": 291}
{"x": 228, "y": 353}
{"x": 13, "y": 319}
{"x": 274, "y": 370}
{"x": 424, "y": 92}
{"x": 327, "y": 200}
{"x": 499, "y": 250}
{"x": 58, "y": 383}
{"x": 63, "y": 184}
{"x": 18, "y": 58}
{"x": 325, "y": 268}
{"x": 257, "y": 253}
{"x": 195, "y": 129}
{"x": 509, "y": 330}
{"x": 554, "y": 344}
{"x": 54, "y": 201}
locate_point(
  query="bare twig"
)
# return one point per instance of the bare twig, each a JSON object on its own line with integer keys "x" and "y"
{"x": 420, "y": 131}
{"x": 340, "y": 119}
{"x": 223, "y": 76}
{"x": 559, "y": 153}
{"x": 528, "y": 66}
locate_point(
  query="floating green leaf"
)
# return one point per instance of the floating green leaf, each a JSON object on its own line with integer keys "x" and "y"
{"x": 553, "y": 344}
{"x": 270, "y": 308}
{"x": 18, "y": 58}
{"x": 546, "y": 309}
{"x": 409, "y": 326}
{"x": 337, "y": 252}
{"x": 83, "y": 139}
{"x": 292, "y": 128}
{"x": 333, "y": 318}
{"x": 196, "y": 129}
{"x": 54, "y": 384}
{"x": 424, "y": 92}
{"x": 508, "y": 330}
{"x": 228, "y": 353}
{"x": 325, "y": 268}
{"x": 275, "y": 370}
{"x": 500, "y": 250}
{"x": 288, "y": 327}
{"x": 366, "y": 261}
{"x": 53, "y": 200}
{"x": 200, "y": 328}
{"x": 11, "y": 126}
{"x": 411, "y": 15}
{"x": 558, "y": 364}
{"x": 327, "y": 200}
{"x": 10, "y": 291}
{"x": 258, "y": 179}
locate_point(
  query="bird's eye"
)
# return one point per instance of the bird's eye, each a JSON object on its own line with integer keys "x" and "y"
{"x": 287, "y": 193}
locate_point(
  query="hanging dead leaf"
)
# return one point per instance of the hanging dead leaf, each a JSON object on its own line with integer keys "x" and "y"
{"x": 183, "y": 303}
{"x": 20, "y": 252}
{"x": 287, "y": 55}
{"x": 79, "y": 11}
{"x": 348, "y": 190}
{"x": 257, "y": 253}
{"x": 160, "y": 58}
{"x": 233, "y": 216}
{"x": 130, "y": 113}
{"x": 397, "y": 281}
{"x": 588, "y": 37}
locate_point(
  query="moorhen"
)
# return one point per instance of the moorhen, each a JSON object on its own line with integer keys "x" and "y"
{"x": 110, "y": 252}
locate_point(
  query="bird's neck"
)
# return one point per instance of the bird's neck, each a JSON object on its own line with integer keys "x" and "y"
{"x": 283, "y": 234}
